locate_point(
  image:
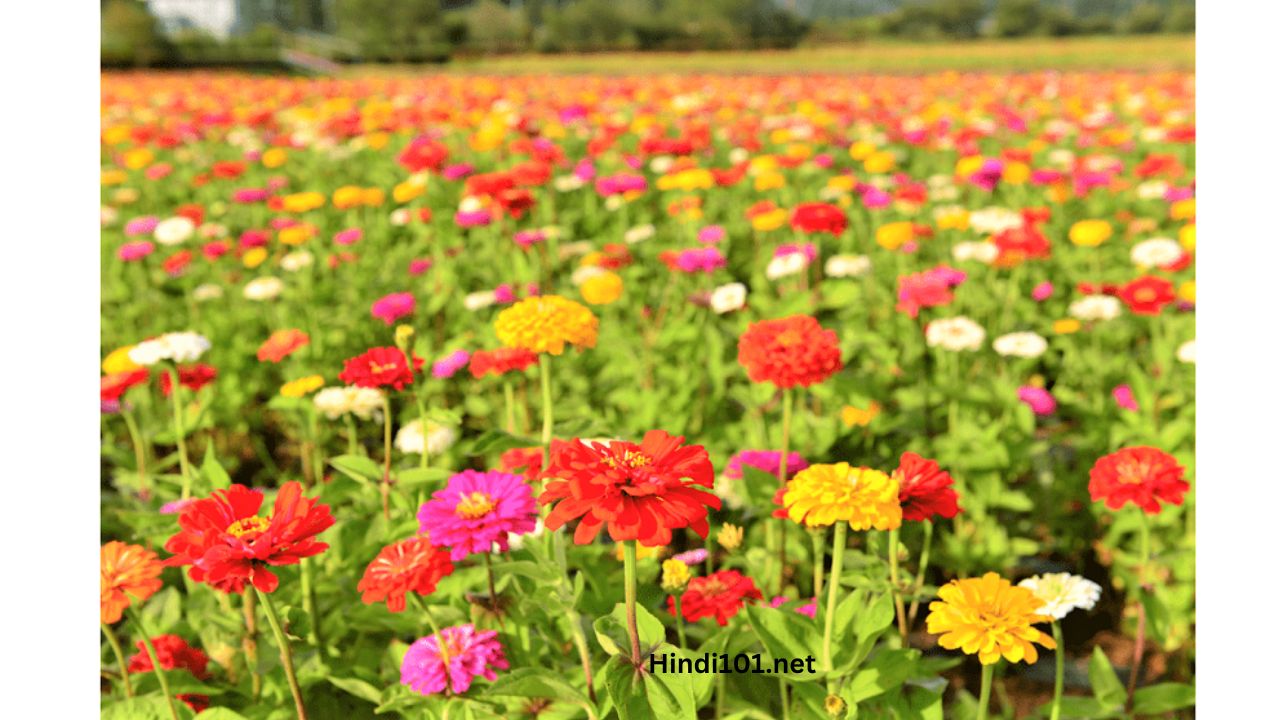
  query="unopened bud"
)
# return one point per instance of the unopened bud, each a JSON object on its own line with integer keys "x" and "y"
{"x": 404, "y": 337}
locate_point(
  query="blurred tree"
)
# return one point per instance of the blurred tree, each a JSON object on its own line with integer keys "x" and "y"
{"x": 1182, "y": 19}
{"x": 1015, "y": 18}
{"x": 394, "y": 30}
{"x": 495, "y": 28}
{"x": 1144, "y": 19}
{"x": 131, "y": 35}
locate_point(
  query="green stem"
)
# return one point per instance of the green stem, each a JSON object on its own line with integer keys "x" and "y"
{"x": 1056, "y": 710}
{"x": 680, "y": 623}
{"x": 139, "y": 451}
{"x": 782, "y": 481}
{"x": 544, "y": 372}
{"x": 352, "y": 435}
{"x": 309, "y": 605}
{"x": 386, "y": 455}
{"x": 782, "y": 694}
{"x": 250, "y": 642}
{"x": 833, "y": 592}
{"x": 493, "y": 593}
{"x": 286, "y": 654}
{"x": 924, "y": 564}
{"x": 984, "y": 695}
{"x": 1140, "y": 637}
{"x": 124, "y": 668}
{"x": 629, "y": 574}
{"x": 895, "y": 588}
{"x": 819, "y": 551}
{"x": 719, "y": 695}
{"x": 155, "y": 660}
{"x": 509, "y": 396}
{"x": 179, "y": 432}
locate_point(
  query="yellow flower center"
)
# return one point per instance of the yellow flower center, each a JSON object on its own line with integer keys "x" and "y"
{"x": 630, "y": 459}
{"x": 245, "y": 526}
{"x": 376, "y": 368}
{"x": 474, "y": 505}
{"x": 789, "y": 338}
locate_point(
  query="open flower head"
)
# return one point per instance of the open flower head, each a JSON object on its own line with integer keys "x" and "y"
{"x": 470, "y": 654}
{"x": 821, "y": 495}
{"x": 989, "y": 617}
{"x": 129, "y": 573}
{"x": 413, "y": 565}
{"x": 477, "y": 510}
{"x": 1061, "y": 593}
{"x": 546, "y": 324}
{"x": 1144, "y": 476}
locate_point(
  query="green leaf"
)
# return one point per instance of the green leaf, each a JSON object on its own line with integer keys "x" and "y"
{"x": 358, "y": 687}
{"x": 357, "y": 467}
{"x": 152, "y": 707}
{"x": 785, "y": 634}
{"x": 539, "y": 683}
{"x": 415, "y": 477}
{"x": 213, "y": 472}
{"x": 875, "y": 619}
{"x": 887, "y": 670}
{"x": 1163, "y": 698}
{"x": 219, "y": 713}
{"x": 611, "y": 630}
{"x": 1106, "y": 685}
{"x": 498, "y": 441}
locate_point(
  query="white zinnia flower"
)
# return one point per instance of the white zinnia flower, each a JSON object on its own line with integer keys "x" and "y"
{"x": 728, "y": 298}
{"x": 957, "y": 333}
{"x": 1095, "y": 307}
{"x": 176, "y": 346}
{"x": 1156, "y": 252}
{"x": 586, "y": 272}
{"x": 174, "y": 230}
{"x": 1020, "y": 344}
{"x": 661, "y": 164}
{"x": 639, "y": 233}
{"x": 1062, "y": 592}
{"x": 574, "y": 249}
{"x": 614, "y": 202}
{"x": 438, "y": 439}
{"x": 739, "y": 155}
{"x": 264, "y": 288}
{"x": 1187, "y": 352}
{"x": 334, "y": 402}
{"x": 993, "y": 220}
{"x": 842, "y": 266}
{"x": 297, "y": 260}
{"x": 1152, "y": 190}
{"x": 983, "y": 252}
{"x": 479, "y": 300}
{"x": 567, "y": 183}
{"x": 108, "y": 215}
{"x": 783, "y": 265}
{"x": 207, "y": 291}
{"x": 400, "y": 217}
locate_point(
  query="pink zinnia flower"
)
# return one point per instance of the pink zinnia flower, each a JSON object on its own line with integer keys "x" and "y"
{"x": 988, "y": 176}
{"x": 254, "y": 238}
{"x": 700, "y": 260}
{"x": 823, "y": 160}
{"x": 809, "y": 609}
{"x": 1038, "y": 399}
{"x": 476, "y": 510}
{"x": 873, "y": 197}
{"x": 696, "y": 556}
{"x": 1042, "y": 292}
{"x": 417, "y": 266}
{"x": 471, "y": 654}
{"x": 280, "y": 223}
{"x": 448, "y": 365}
{"x": 350, "y": 236}
{"x": 475, "y": 218}
{"x": 621, "y": 183}
{"x": 1124, "y": 397}
{"x": 135, "y": 250}
{"x": 144, "y": 225}
{"x": 765, "y": 461}
{"x": 922, "y": 290}
{"x": 393, "y": 307}
{"x": 458, "y": 171}
{"x": 504, "y": 293}
{"x": 585, "y": 171}
{"x": 528, "y": 238}
{"x": 245, "y": 196}
{"x": 809, "y": 250}
{"x": 711, "y": 234}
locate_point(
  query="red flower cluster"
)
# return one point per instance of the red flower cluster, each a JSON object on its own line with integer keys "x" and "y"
{"x": 818, "y": 217}
{"x": 174, "y": 654}
{"x": 1019, "y": 244}
{"x": 1141, "y": 475}
{"x": 1147, "y": 295}
{"x": 412, "y": 565}
{"x": 924, "y": 489}
{"x": 115, "y": 384}
{"x": 192, "y": 377}
{"x": 922, "y": 290}
{"x": 792, "y": 351}
{"x": 380, "y": 367}
{"x": 640, "y": 491}
{"x": 227, "y": 543}
{"x": 500, "y": 361}
{"x": 423, "y": 154}
{"x": 720, "y": 595}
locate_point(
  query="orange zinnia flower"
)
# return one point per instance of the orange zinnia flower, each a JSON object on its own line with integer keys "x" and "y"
{"x": 282, "y": 344}
{"x": 127, "y": 570}
{"x": 792, "y": 351}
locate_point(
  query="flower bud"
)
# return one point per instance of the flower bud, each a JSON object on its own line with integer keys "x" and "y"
{"x": 404, "y": 337}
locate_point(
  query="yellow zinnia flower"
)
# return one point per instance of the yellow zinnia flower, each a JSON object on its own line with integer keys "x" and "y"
{"x": 771, "y": 220}
{"x": 857, "y": 417}
{"x": 296, "y": 234}
{"x": 253, "y": 257}
{"x": 1066, "y": 326}
{"x": 989, "y": 617}
{"x": 1187, "y": 291}
{"x": 1183, "y": 209}
{"x": 894, "y": 235}
{"x": 820, "y": 495}
{"x": 1090, "y": 233}
{"x": 302, "y": 202}
{"x": 675, "y": 574}
{"x": 274, "y": 157}
{"x": 347, "y": 197}
{"x": 602, "y": 289}
{"x": 546, "y": 323}
{"x": 730, "y": 536}
{"x": 302, "y": 386}
{"x": 881, "y": 161}
{"x": 117, "y": 361}
{"x": 1187, "y": 237}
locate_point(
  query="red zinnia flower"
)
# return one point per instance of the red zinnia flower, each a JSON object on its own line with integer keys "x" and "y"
{"x": 380, "y": 367}
{"x": 282, "y": 344}
{"x": 174, "y": 654}
{"x": 818, "y": 217}
{"x": 192, "y": 377}
{"x": 792, "y": 351}
{"x": 500, "y": 361}
{"x": 423, "y": 154}
{"x": 227, "y": 543}
{"x": 1141, "y": 475}
{"x": 1147, "y": 295}
{"x": 412, "y": 565}
{"x": 720, "y": 595}
{"x": 639, "y": 490}
{"x": 115, "y": 384}
{"x": 1019, "y": 244}
{"x": 924, "y": 489}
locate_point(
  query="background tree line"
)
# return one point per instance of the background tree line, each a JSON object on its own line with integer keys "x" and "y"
{"x": 436, "y": 30}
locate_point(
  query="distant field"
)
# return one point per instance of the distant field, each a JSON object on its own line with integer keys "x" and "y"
{"x": 1099, "y": 53}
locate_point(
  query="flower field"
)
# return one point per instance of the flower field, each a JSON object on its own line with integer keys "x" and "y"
{"x": 462, "y": 397}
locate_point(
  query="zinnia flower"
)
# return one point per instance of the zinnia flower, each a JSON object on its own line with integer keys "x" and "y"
{"x": 546, "y": 324}
{"x": 227, "y": 543}
{"x": 380, "y": 367}
{"x": 1020, "y": 344}
{"x": 642, "y": 492}
{"x": 791, "y": 351}
{"x": 764, "y": 460}
{"x": 192, "y": 377}
{"x": 129, "y": 572}
{"x": 1141, "y": 475}
{"x": 281, "y": 344}
{"x": 816, "y": 217}
{"x": 392, "y": 307}
{"x": 413, "y": 565}
{"x": 469, "y": 654}
{"x": 720, "y": 595}
{"x": 955, "y": 334}
{"x": 989, "y": 617}
{"x": 1061, "y": 593}
{"x": 924, "y": 489}
{"x": 174, "y": 654}
{"x": 500, "y": 361}
{"x": 449, "y": 365}
{"x": 1147, "y": 295}
{"x": 823, "y": 494}
{"x": 176, "y": 346}
{"x": 476, "y": 509}
{"x": 410, "y": 439}
{"x": 1038, "y": 399}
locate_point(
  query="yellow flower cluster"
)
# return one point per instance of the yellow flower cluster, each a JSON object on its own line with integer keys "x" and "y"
{"x": 820, "y": 495}
{"x": 675, "y": 575}
{"x": 989, "y": 617}
{"x": 1090, "y": 233}
{"x": 546, "y": 324}
{"x": 602, "y": 289}
{"x": 302, "y": 386}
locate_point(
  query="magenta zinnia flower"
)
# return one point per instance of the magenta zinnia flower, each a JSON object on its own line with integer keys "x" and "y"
{"x": 471, "y": 654}
{"x": 393, "y": 307}
{"x": 135, "y": 250}
{"x": 477, "y": 509}
{"x": 1038, "y": 399}
{"x": 446, "y": 366}
{"x": 764, "y": 460}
